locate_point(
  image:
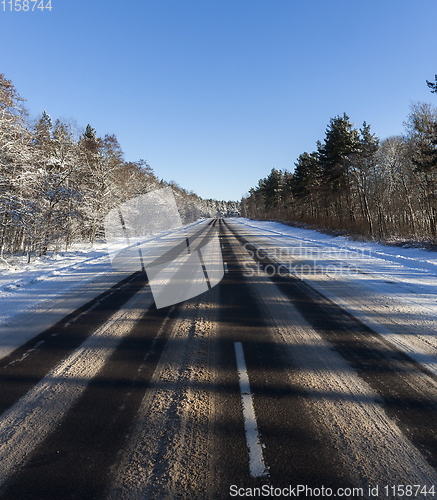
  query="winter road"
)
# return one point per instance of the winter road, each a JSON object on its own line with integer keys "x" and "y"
{"x": 259, "y": 387}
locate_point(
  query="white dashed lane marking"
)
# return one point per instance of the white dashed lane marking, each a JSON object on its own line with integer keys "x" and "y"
{"x": 257, "y": 465}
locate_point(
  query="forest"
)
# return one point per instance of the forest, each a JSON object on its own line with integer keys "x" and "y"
{"x": 57, "y": 183}
{"x": 355, "y": 183}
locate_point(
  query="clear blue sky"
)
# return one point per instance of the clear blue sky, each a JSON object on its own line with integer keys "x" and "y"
{"x": 216, "y": 93}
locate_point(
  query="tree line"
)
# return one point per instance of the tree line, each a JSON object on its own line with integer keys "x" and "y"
{"x": 355, "y": 182}
{"x": 57, "y": 185}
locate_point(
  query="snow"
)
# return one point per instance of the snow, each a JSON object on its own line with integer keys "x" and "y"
{"x": 43, "y": 406}
{"x": 371, "y": 445}
{"x": 28, "y": 285}
{"x": 373, "y": 449}
{"x": 392, "y": 290}
{"x": 35, "y": 296}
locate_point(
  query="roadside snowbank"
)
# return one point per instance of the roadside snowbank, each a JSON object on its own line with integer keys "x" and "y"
{"x": 392, "y": 290}
{"x": 35, "y": 296}
{"x": 28, "y": 285}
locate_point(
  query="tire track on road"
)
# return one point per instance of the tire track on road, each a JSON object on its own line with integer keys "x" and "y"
{"x": 21, "y": 370}
{"x": 62, "y": 436}
{"x": 296, "y": 449}
{"x": 399, "y": 394}
{"x": 171, "y": 452}
{"x": 29, "y": 422}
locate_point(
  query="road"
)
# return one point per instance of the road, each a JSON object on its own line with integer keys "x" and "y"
{"x": 259, "y": 385}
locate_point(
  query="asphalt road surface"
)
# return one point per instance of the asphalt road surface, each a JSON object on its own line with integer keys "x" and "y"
{"x": 259, "y": 387}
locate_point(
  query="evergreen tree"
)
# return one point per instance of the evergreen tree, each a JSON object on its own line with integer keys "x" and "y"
{"x": 306, "y": 174}
{"x": 89, "y": 139}
{"x": 271, "y": 188}
{"x": 425, "y": 158}
{"x": 306, "y": 182}
{"x": 43, "y": 129}
{"x": 341, "y": 141}
{"x": 432, "y": 86}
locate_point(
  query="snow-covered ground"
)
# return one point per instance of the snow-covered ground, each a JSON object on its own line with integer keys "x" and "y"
{"x": 393, "y": 290}
{"x": 24, "y": 286}
{"x": 35, "y": 296}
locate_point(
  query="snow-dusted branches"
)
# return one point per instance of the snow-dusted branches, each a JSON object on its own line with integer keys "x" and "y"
{"x": 57, "y": 186}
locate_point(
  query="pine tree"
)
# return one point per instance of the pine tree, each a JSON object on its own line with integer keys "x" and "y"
{"x": 363, "y": 163}
{"x": 43, "y": 129}
{"x": 306, "y": 182}
{"x": 432, "y": 86}
{"x": 341, "y": 141}
{"x": 272, "y": 189}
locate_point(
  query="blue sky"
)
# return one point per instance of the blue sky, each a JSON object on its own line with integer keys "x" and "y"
{"x": 216, "y": 93}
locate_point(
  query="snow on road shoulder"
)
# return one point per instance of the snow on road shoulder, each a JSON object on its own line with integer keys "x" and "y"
{"x": 393, "y": 290}
{"x": 50, "y": 399}
{"x": 35, "y": 296}
{"x": 423, "y": 262}
{"x": 26, "y": 286}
